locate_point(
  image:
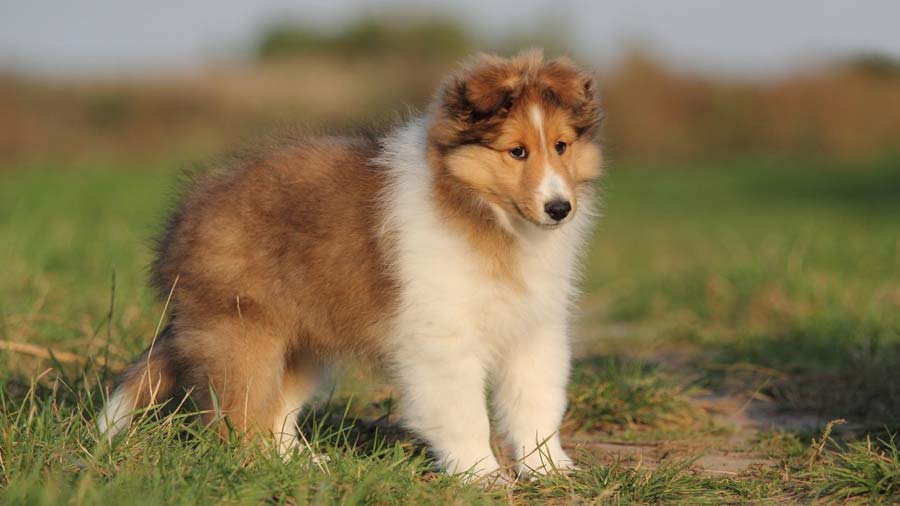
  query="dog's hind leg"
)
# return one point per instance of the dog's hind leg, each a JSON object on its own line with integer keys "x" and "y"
{"x": 236, "y": 372}
{"x": 300, "y": 379}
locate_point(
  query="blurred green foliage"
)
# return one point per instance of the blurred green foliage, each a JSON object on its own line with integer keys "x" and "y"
{"x": 876, "y": 65}
{"x": 428, "y": 38}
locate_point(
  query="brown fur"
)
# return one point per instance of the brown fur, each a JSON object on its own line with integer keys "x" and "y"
{"x": 278, "y": 266}
{"x": 280, "y": 263}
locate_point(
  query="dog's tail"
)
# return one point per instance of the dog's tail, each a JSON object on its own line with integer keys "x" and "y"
{"x": 147, "y": 381}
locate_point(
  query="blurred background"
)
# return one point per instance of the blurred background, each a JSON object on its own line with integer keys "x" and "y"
{"x": 751, "y": 201}
{"x": 697, "y": 80}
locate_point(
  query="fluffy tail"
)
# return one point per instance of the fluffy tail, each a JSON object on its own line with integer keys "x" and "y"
{"x": 149, "y": 380}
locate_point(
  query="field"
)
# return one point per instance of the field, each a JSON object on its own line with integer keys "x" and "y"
{"x": 731, "y": 312}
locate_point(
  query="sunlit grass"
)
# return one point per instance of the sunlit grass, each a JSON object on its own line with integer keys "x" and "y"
{"x": 860, "y": 472}
{"x": 785, "y": 268}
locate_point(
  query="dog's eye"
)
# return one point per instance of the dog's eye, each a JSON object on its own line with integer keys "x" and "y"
{"x": 519, "y": 153}
{"x": 561, "y": 147}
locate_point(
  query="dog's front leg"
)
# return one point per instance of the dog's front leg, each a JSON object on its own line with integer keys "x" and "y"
{"x": 529, "y": 394}
{"x": 443, "y": 400}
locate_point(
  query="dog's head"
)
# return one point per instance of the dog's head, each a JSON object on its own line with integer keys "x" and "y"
{"x": 520, "y": 133}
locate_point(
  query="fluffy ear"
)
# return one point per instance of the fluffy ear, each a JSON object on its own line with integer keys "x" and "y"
{"x": 561, "y": 81}
{"x": 483, "y": 89}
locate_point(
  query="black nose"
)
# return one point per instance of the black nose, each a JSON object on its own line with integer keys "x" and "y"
{"x": 557, "y": 209}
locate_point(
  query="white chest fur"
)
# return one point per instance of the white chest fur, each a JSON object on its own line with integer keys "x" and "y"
{"x": 447, "y": 289}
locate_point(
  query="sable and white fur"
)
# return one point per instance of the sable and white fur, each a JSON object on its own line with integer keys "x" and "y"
{"x": 430, "y": 249}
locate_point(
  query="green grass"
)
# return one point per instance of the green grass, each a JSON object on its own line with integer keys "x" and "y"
{"x": 795, "y": 267}
{"x": 775, "y": 277}
{"x": 616, "y": 394}
{"x": 864, "y": 470}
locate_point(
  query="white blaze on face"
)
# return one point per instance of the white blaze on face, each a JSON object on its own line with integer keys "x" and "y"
{"x": 538, "y": 119}
{"x": 553, "y": 186}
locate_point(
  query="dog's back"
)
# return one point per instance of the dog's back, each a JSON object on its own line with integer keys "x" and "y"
{"x": 290, "y": 238}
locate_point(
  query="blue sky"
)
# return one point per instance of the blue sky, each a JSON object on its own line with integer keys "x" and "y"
{"x": 763, "y": 37}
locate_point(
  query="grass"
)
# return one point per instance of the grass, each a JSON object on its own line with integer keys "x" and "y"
{"x": 778, "y": 280}
{"x": 615, "y": 394}
{"x": 794, "y": 267}
{"x": 864, "y": 470}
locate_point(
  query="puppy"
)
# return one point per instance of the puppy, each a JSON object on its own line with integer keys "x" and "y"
{"x": 446, "y": 250}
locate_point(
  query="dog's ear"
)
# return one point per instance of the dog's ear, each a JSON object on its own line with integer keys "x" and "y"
{"x": 569, "y": 86}
{"x": 485, "y": 88}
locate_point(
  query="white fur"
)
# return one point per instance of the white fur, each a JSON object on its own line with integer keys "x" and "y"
{"x": 459, "y": 330}
{"x": 552, "y": 187}
{"x": 538, "y": 119}
{"x": 116, "y": 415}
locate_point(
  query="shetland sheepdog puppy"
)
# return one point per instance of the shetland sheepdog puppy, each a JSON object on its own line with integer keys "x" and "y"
{"x": 446, "y": 251}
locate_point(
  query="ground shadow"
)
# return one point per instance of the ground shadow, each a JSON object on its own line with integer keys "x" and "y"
{"x": 331, "y": 423}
